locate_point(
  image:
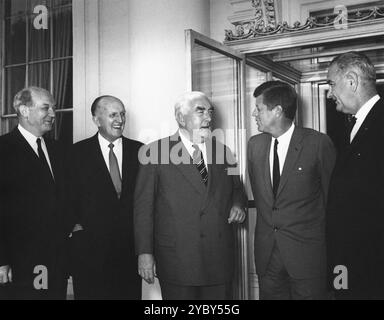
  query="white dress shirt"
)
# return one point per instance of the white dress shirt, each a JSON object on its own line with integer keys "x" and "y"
{"x": 282, "y": 149}
{"x": 189, "y": 146}
{"x": 117, "y": 150}
{"x": 31, "y": 139}
{"x": 362, "y": 114}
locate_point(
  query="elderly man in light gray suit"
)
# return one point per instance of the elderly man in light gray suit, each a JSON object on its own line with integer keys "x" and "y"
{"x": 289, "y": 169}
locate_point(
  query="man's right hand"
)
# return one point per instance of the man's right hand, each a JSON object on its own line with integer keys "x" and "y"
{"x": 146, "y": 266}
{"x": 5, "y": 274}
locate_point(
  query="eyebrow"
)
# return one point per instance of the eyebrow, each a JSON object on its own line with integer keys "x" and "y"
{"x": 201, "y": 108}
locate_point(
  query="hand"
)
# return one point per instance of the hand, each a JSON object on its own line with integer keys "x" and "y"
{"x": 237, "y": 215}
{"x": 5, "y": 274}
{"x": 147, "y": 268}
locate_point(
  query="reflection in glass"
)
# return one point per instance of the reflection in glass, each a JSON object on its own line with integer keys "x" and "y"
{"x": 39, "y": 42}
{"x": 15, "y": 40}
{"x": 38, "y": 75}
{"x": 14, "y": 82}
{"x": 62, "y": 83}
{"x": 217, "y": 76}
{"x": 62, "y": 32}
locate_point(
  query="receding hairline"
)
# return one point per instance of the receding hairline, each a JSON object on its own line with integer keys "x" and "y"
{"x": 102, "y": 101}
{"x": 187, "y": 98}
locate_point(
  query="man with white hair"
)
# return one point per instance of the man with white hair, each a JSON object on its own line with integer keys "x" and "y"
{"x": 185, "y": 203}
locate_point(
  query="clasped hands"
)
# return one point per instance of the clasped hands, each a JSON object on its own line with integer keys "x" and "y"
{"x": 5, "y": 274}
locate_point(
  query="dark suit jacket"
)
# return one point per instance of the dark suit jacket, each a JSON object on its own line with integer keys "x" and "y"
{"x": 106, "y": 243}
{"x": 355, "y": 215}
{"x": 32, "y": 209}
{"x": 295, "y": 220}
{"x": 183, "y": 222}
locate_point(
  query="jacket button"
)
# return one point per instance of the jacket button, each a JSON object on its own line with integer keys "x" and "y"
{"x": 275, "y": 229}
{"x": 275, "y": 209}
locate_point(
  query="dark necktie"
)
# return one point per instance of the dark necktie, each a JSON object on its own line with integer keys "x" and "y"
{"x": 42, "y": 157}
{"x": 198, "y": 160}
{"x": 276, "y": 169}
{"x": 350, "y": 124}
{"x": 114, "y": 170}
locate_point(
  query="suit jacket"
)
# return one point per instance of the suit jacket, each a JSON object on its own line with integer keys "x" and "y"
{"x": 355, "y": 215}
{"x": 183, "y": 222}
{"x": 295, "y": 220}
{"x": 107, "y": 239}
{"x": 33, "y": 226}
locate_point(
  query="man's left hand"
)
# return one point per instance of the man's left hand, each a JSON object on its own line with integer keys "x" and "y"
{"x": 237, "y": 215}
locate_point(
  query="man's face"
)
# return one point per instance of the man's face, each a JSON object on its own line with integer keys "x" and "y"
{"x": 339, "y": 91}
{"x": 265, "y": 118}
{"x": 110, "y": 119}
{"x": 197, "y": 121}
{"x": 41, "y": 115}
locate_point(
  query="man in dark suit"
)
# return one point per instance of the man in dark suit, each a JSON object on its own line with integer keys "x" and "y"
{"x": 103, "y": 179}
{"x": 186, "y": 198}
{"x": 289, "y": 169}
{"x": 355, "y": 215}
{"x": 33, "y": 228}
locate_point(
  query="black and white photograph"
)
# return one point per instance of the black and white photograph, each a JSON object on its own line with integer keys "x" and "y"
{"x": 200, "y": 152}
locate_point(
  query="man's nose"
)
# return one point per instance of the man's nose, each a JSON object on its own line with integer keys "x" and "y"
{"x": 254, "y": 113}
{"x": 51, "y": 112}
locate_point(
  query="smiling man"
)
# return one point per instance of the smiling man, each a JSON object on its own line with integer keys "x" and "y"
{"x": 185, "y": 206}
{"x": 355, "y": 219}
{"x": 103, "y": 181}
{"x": 32, "y": 231}
{"x": 289, "y": 169}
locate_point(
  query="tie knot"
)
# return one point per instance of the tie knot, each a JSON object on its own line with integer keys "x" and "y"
{"x": 111, "y": 146}
{"x": 38, "y": 141}
{"x": 276, "y": 143}
{"x": 196, "y": 153}
{"x": 352, "y": 119}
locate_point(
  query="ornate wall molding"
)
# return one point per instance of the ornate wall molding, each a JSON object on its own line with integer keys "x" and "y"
{"x": 264, "y": 21}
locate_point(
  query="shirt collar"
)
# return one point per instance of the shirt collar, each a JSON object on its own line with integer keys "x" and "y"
{"x": 188, "y": 143}
{"x": 31, "y": 138}
{"x": 285, "y": 138}
{"x": 364, "y": 110}
{"x": 104, "y": 143}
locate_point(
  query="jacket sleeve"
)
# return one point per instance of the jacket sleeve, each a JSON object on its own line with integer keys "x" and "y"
{"x": 327, "y": 159}
{"x": 3, "y": 211}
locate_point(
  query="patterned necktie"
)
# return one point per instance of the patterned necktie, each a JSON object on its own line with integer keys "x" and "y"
{"x": 198, "y": 160}
{"x": 276, "y": 169}
{"x": 42, "y": 157}
{"x": 114, "y": 170}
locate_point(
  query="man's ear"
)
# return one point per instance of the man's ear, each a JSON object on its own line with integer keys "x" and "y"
{"x": 352, "y": 80}
{"x": 96, "y": 121}
{"x": 278, "y": 110}
{"x": 24, "y": 111}
{"x": 180, "y": 119}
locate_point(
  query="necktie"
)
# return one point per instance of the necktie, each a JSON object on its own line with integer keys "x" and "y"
{"x": 350, "y": 124}
{"x": 198, "y": 160}
{"x": 276, "y": 169}
{"x": 42, "y": 157}
{"x": 114, "y": 170}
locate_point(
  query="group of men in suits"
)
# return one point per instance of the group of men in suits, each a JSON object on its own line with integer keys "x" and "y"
{"x": 110, "y": 211}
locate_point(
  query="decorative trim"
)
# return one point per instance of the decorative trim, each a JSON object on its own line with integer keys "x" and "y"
{"x": 258, "y": 26}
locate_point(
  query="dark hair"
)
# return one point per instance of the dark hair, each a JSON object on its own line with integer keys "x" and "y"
{"x": 358, "y": 61}
{"x": 278, "y": 93}
{"x": 98, "y": 100}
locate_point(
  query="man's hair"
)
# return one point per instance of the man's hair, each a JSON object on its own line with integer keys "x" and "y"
{"x": 356, "y": 61}
{"x": 97, "y": 102}
{"x": 278, "y": 93}
{"x": 186, "y": 98}
{"x": 25, "y": 97}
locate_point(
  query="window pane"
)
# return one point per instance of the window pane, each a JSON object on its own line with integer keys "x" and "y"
{"x": 15, "y": 38}
{"x": 57, "y": 3}
{"x": 14, "y": 82}
{"x": 14, "y": 7}
{"x": 62, "y": 83}
{"x": 39, "y": 43}
{"x": 62, "y": 32}
{"x": 34, "y": 3}
{"x": 38, "y": 75}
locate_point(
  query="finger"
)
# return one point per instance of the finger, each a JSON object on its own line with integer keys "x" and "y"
{"x": 231, "y": 216}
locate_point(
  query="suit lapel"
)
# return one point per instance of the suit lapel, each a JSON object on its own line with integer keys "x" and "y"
{"x": 187, "y": 169}
{"x": 267, "y": 166}
{"x": 293, "y": 153}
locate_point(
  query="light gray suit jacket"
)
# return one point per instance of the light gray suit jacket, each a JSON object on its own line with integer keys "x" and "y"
{"x": 295, "y": 220}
